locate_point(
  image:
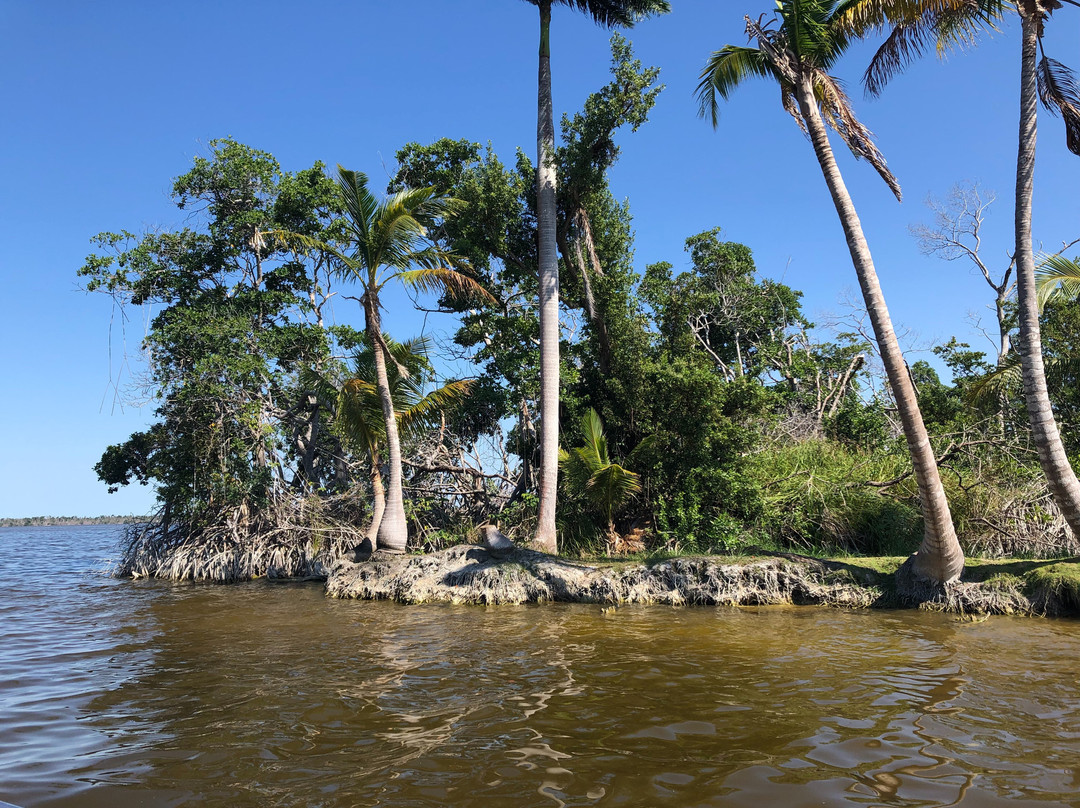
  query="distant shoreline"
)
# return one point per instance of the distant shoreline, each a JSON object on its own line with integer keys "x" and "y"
{"x": 46, "y": 521}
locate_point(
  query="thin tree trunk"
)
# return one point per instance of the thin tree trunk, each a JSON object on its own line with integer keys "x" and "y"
{"x": 378, "y": 507}
{"x": 1004, "y": 340}
{"x": 546, "y": 538}
{"x": 1004, "y": 346}
{"x": 585, "y": 225}
{"x": 940, "y": 558}
{"x": 591, "y": 310}
{"x": 393, "y": 529}
{"x": 1044, "y": 429}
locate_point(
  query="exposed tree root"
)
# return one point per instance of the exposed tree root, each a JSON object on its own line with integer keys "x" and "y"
{"x": 468, "y": 574}
{"x": 293, "y": 539}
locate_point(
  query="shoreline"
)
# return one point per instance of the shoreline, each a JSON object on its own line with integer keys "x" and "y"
{"x": 469, "y": 574}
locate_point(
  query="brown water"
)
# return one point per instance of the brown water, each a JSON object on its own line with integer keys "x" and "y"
{"x": 121, "y": 694}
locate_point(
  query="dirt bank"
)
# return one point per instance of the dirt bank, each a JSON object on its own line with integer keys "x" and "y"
{"x": 469, "y": 574}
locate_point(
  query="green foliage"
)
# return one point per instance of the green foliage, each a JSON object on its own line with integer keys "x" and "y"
{"x": 589, "y": 476}
{"x": 354, "y": 400}
{"x": 815, "y": 497}
{"x": 232, "y": 328}
{"x": 719, "y": 309}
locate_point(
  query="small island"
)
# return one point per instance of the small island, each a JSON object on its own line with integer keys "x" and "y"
{"x": 641, "y": 434}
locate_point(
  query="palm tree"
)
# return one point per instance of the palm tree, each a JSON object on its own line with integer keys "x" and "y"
{"x": 797, "y": 49}
{"x": 916, "y": 23}
{"x": 590, "y": 471}
{"x": 357, "y": 405}
{"x": 1057, "y": 278}
{"x": 609, "y": 13}
{"x": 388, "y": 241}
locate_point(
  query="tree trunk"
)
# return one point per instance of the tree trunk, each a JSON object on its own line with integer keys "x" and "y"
{"x": 378, "y": 495}
{"x": 393, "y": 529}
{"x": 591, "y": 311}
{"x": 1004, "y": 340}
{"x": 546, "y": 538}
{"x": 1044, "y": 429}
{"x": 939, "y": 558}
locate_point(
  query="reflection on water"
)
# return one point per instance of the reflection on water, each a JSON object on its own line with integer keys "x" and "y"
{"x": 117, "y": 694}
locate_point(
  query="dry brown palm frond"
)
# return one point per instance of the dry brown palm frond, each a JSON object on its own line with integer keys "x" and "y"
{"x": 837, "y": 111}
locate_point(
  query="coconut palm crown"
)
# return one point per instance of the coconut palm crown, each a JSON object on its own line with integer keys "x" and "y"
{"x": 802, "y": 42}
{"x": 797, "y": 48}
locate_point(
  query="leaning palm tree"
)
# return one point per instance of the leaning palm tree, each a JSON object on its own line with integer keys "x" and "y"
{"x": 796, "y": 49}
{"x": 609, "y": 13}
{"x": 387, "y": 241}
{"x": 914, "y": 25}
{"x": 357, "y": 405}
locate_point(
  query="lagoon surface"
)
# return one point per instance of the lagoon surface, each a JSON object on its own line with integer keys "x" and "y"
{"x": 119, "y": 693}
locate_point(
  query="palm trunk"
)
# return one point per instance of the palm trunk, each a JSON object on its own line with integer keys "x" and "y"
{"x": 940, "y": 558}
{"x": 378, "y": 495}
{"x": 546, "y": 539}
{"x": 393, "y": 529}
{"x": 1044, "y": 429}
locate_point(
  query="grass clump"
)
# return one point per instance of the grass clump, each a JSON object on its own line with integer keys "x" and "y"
{"x": 1055, "y": 588}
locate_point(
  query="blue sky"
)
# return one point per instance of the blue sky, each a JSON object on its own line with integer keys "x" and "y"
{"x": 105, "y": 103}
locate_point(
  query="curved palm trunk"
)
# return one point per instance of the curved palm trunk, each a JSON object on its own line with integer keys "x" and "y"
{"x": 378, "y": 507}
{"x": 940, "y": 558}
{"x": 1044, "y": 429}
{"x": 546, "y": 538}
{"x": 393, "y": 532}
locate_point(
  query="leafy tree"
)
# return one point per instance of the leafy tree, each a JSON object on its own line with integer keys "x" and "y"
{"x": 588, "y": 152}
{"x": 797, "y": 49}
{"x": 235, "y": 322}
{"x": 720, "y": 308}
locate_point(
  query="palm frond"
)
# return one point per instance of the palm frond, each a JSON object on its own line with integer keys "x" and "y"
{"x": 320, "y": 385}
{"x": 616, "y": 13}
{"x": 860, "y": 17}
{"x": 645, "y": 445}
{"x": 906, "y": 43}
{"x": 806, "y": 31}
{"x": 1057, "y": 277}
{"x": 422, "y": 414}
{"x": 360, "y": 203}
{"x": 359, "y": 415}
{"x": 304, "y": 245}
{"x": 726, "y": 69}
{"x": 916, "y": 27}
{"x": 1008, "y": 379}
{"x": 610, "y": 487}
{"x": 1060, "y": 94}
{"x": 592, "y": 430}
{"x": 998, "y": 383}
{"x": 441, "y": 279}
{"x": 837, "y": 111}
